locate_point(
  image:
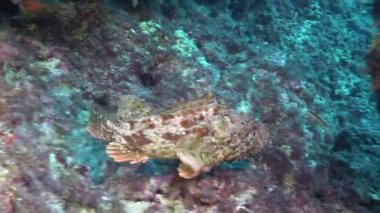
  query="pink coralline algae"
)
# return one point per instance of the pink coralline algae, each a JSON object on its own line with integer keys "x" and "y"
{"x": 7, "y": 52}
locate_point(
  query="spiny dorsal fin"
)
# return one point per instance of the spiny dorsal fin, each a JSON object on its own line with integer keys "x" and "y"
{"x": 207, "y": 99}
{"x": 131, "y": 107}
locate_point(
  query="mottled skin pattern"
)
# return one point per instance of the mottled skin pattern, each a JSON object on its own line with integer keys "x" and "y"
{"x": 200, "y": 133}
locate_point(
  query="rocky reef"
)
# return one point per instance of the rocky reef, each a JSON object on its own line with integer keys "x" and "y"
{"x": 298, "y": 67}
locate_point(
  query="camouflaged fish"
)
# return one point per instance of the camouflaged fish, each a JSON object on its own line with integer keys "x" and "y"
{"x": 200, "y": 133}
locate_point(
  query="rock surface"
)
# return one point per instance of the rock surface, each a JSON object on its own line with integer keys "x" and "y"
{"x": 294, "y": 66}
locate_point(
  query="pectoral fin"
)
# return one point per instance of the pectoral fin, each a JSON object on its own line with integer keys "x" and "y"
{"x": 190, "y": 165}
{"x": 190, "y": 153}
{"x": 185, "y": 171}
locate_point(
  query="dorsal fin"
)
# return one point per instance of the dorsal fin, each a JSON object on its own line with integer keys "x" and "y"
{"x": 131, "y": 107}
{"x": 207, "y": 99}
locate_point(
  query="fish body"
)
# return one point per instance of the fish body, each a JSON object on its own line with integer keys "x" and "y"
{"x": 200, "y": 133}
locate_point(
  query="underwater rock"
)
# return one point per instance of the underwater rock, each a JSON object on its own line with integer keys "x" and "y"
{"x": 9, "y": 8}
{"x": 353, "y": 154}
{"x": 373, "y": 57}
{"x": 188, "y": 47}
{"x": 147, "y": 79}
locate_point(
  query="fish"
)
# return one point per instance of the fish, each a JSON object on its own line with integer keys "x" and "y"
{"x": 200, "y": 133}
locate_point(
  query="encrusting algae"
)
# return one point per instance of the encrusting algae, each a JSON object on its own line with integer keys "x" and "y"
{"x": 200, "y": 133}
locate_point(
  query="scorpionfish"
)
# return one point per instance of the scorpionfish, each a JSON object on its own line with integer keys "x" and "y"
{"x": 200, "y": 133}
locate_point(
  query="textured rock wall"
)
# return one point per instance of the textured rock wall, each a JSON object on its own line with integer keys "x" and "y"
{"x": 297, "y": 66}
